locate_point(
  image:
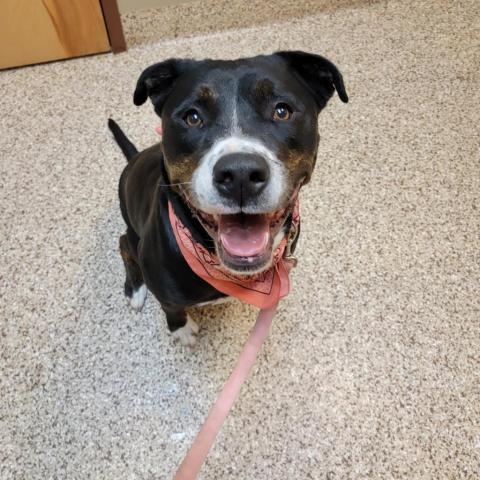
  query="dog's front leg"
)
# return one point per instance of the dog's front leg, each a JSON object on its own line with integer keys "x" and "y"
{"x": 182, "y": 327}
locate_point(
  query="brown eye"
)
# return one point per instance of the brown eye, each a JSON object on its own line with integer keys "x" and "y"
{"x": 193, "y": 119}
{"x": 282, "y": 112}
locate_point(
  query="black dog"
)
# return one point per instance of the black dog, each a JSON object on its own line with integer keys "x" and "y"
{"x": 240, "y": 139}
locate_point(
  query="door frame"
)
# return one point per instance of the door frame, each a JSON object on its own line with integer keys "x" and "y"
{"x": 113, "y": 22}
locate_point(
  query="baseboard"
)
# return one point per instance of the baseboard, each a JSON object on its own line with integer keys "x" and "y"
{"x": 132, "y": 5}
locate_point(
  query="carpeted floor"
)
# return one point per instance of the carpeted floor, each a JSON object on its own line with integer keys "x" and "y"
{"x": 372, "y": 369}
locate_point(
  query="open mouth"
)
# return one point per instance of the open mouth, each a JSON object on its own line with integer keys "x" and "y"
{"x": 244, "y": 242}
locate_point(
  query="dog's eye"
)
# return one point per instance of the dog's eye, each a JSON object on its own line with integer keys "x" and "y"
{"x": 193, "y": 119}
{"x": 282, "y": 112}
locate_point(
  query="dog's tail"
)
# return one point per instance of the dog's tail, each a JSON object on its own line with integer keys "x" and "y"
{"x": 128, "y": 148}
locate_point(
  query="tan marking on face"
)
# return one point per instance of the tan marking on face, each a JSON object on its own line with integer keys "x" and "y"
{"x": 299, "y": 164}
{"x": 181, "y": 170}
{"x": 263, "y": 88}
{"x": 207, "y": 95}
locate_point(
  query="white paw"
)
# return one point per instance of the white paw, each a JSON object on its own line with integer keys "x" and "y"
{"x": 187, "y": 334}
{"x": 138, "y": 298}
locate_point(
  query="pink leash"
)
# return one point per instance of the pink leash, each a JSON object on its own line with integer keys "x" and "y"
{"x": 195, "y": 457}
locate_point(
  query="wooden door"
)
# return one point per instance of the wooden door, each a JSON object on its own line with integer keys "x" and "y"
{"x": 34, "y": 31}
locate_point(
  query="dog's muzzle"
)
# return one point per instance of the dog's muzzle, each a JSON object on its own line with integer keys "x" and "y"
{"x": 240, "y": 197}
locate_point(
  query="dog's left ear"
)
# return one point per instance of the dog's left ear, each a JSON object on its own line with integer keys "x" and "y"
{"x": 320, "y": 75}
{"x": 157, "y": 81}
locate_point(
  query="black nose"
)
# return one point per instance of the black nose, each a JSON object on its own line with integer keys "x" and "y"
{"x": 241, "y": 176}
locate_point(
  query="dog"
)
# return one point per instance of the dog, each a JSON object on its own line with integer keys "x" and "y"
{"x": 240, "y": 139}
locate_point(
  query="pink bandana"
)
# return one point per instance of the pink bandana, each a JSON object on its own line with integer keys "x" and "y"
{"x": 262, "y": 290}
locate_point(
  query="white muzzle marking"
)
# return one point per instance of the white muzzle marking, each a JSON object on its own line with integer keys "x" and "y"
{"x": 208, "y": 198}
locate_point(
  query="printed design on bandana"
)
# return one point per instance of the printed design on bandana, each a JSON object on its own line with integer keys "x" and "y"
{"x": 261, "y": 290}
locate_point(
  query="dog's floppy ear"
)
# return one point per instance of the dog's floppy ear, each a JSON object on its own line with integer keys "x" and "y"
{"x": 320, "y": 75}
{"x": 157, "y": 81}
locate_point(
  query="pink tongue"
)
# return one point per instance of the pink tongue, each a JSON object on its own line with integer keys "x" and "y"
{"x": 244, "y": 235}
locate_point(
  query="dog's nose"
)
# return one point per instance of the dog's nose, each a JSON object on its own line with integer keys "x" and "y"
{"x": 241, "y": 176}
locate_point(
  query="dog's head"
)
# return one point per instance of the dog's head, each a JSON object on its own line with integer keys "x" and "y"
{"x": 239, "y": 140}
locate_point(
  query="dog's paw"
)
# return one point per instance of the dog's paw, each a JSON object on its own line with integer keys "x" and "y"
{"x": 187, "y": 335}
{"x": 137, "y": 300}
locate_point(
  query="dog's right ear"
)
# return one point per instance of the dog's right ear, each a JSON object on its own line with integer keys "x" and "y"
{"x": 157, "y": 81}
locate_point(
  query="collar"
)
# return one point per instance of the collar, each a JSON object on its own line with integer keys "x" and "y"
{"x": 262, "y": 290}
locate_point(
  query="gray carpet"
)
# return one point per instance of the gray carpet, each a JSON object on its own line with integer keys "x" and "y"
{"x": 372, "y": 369}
